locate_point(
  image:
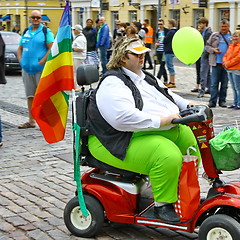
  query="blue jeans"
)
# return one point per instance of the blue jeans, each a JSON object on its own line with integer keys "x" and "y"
{"x": 162, "y": 70}
{"x": 235, "y": 82}
{"x": 103, "y": 58}
{"x": 204, "y": 73}
{"x": 0, "y": 129}
{"x": 219, "y": 84}
{"x": 169, "y": 62}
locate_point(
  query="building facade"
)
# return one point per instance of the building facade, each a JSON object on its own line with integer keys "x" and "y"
{"x": 15, "y": 14}
{"x": 185, "y": 12}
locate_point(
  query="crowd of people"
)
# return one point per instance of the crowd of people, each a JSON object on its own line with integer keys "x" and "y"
{"x": 130, "y": 113}
{"x": 219, "y": 63}
{"x": 93, "y": 44}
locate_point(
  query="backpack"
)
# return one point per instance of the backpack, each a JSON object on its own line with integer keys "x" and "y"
{"x": 44, "y": 29}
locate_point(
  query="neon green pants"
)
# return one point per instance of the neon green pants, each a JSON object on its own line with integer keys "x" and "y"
{"x": 157, "y": 154}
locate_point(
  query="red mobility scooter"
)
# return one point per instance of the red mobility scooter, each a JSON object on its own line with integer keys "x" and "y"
{"x": 116, "y": 195}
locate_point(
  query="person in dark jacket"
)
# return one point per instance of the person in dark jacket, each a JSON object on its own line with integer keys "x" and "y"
{"x": 205, "y": 77}
{"x": 2, "y": 61}
{"x": 2, "y": 75}
{"x": 103, "y": 42}
{"x": 130, "y": 116}
{"x": 169, "y": 55}
{"x": 91, "y": 36}
{"x": 162, "y": 32}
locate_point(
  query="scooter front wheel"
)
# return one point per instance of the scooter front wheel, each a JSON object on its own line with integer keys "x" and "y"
{"x": 82, "y": 226}
{"x": 219, "y": 226}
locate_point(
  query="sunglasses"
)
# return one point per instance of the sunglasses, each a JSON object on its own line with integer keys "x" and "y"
{"x": 33, "y": 17}
{"x": 160, "y": 24}
{"x": 137, "y": 55}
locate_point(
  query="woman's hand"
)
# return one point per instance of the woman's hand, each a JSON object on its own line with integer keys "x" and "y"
{"x": 168, "y": 120}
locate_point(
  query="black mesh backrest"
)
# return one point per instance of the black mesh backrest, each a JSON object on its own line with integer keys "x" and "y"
{"x": 87, "y": 74}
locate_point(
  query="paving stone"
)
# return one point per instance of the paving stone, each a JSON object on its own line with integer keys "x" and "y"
{"x": 5, "y": 226}
{"x": 36, "y": 178}
{"x": 58, "y": 234}
{"x": 55, "y": 221}
{"x": 38, "y": 235}
{"x": 16, "y": 221}
{"x": 43, "y": 225}
{"x": 4, "y": 237}
{"x": 4, "y": 212}
{"x": 18, "y": 235}
{"x": 15, "y": 208}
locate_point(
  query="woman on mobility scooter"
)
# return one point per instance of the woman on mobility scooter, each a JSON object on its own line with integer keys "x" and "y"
{"x": 130, "y": 116}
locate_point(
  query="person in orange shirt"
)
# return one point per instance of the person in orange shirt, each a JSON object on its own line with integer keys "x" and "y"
{"x": 231, "y": 61}
{"x": 148, "y": 43}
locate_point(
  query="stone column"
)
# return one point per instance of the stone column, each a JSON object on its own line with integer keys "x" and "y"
{"x": 142, "y": 15}
{"x": 238, "y": 12}
{"x": 212, "y": 16}
{"x": 232, "y": 16}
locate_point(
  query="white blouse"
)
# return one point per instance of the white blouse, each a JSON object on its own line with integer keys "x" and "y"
{"x": 117, "y": 106}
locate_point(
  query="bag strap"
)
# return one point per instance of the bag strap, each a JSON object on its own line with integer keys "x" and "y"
{"x": 224, "y": 39}
{"x": 44, "y": 29}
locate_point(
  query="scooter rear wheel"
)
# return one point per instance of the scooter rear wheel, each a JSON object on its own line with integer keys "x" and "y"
{"x": 82, "y": 226}
{"x": 219, "y": 226}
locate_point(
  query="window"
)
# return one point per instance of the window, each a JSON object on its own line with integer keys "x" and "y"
{"x": 224, "y": 14}
{"x": 115, "y": 17}
{"x": 197, "y": 13}
{"x": 175, "y": 14}
{"x": 80, "y": 16}
{"x": 132, "y": 16}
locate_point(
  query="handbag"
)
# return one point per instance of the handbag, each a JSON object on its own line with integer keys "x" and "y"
{"x": 188, "y": 188}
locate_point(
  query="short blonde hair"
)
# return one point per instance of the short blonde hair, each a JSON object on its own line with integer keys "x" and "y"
{"x": 119, "y": 52}
{"x": 237, "y": 32}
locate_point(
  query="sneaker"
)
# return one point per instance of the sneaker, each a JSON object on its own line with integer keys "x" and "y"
{"x": 200, "y": 95}
{"x": 236, "y": 108}
{"x": 223, "y": 104}
{"x": 195, "y": 90}
{"x": 233, "y": 106}
{"x": 211, "y": 104}
{"x": 1, "y": 143}
{"x": 171, "y": 85}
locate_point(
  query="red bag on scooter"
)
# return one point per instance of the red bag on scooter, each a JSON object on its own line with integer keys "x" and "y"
{"x": 188, "y": 188}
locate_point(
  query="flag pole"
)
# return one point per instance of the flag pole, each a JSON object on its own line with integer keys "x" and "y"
{"x": 76, "y": 157}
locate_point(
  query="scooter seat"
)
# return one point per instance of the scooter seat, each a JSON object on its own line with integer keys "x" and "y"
{"x": 93, "y": 162}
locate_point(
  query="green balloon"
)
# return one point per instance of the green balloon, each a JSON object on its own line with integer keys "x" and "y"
{"x": 188, "y": 45}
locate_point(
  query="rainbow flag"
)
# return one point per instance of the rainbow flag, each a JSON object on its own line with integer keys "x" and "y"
{"x": 50, "y": 103}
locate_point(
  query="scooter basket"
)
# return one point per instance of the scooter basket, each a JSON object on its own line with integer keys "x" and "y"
{"x": 228, "y": 158}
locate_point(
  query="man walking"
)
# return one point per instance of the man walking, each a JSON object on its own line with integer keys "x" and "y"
{"x": 169, "y": 52}
{"x": 103, "y": 42}
{"x": 162, "y": 32}
{"x": 79, "y": 46}
{"x": 34, "y": 46}
{"x": 205, "y": 67}
{"x": 217, "y": 46}
{"x": 148, "y": 43}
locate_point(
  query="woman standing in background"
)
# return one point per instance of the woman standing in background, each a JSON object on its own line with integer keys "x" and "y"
{"x": 231, "y": 61}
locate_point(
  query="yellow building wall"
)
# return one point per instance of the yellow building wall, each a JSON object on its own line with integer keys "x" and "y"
{"x": 50, "y": 8}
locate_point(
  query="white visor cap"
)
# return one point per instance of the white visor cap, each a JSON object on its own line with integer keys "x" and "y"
{"x": 137, "y": 47}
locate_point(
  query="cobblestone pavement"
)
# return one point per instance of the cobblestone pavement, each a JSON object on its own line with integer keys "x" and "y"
{"x": 35, "y": 184}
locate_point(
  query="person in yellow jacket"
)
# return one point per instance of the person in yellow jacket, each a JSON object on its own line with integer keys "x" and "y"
{"x": 148, "y": 43}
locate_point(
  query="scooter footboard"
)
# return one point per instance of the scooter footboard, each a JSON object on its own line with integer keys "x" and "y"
{"x": 119, "y": 196}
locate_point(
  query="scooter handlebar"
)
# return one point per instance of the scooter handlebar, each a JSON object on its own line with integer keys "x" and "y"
{"x": 197, "y": 113}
